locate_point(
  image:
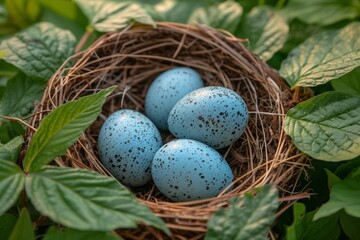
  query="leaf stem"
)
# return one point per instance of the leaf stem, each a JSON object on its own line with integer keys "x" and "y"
{"x": 19, "y": 120}
{"x": 84, "y": 39}
{"x": 23, "y": 198}
{"x": 296, "y": 94}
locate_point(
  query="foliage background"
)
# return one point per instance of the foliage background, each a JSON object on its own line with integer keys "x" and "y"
{"x": 313, "y": 44}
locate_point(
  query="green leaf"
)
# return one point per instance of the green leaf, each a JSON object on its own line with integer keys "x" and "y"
{"x": 22, "y": 13}
{"x": 10, "y": 150}
{"x": 178, "y": 11}
{"x": 20, "y": 96}
{"x": 346, "y": 168}
{"x": 326, "y": 127}
{"x": 60, "y": 129}
{"x": 111, "y": 15}
{"x": 349, "y": 83}
{"x": 33, "y": 10}
{"x": 70, "y": 234}
{"x": 86, "y": 200}
{"x": 225, "y": 15}
{"x": 266, "y": 30}
{"x": 293, "y": 232}
{"x": 77, "y": 26}
{"x": 7, "y": 70}
{"x": 23, "y": 229}
{"x": 303, "y": 227}
{"x": 150, "y": 9}
{"x": 10, "y": 130}
{"x": 39, "y": 50}
{"x": 3, "y": 12}
{"x": 247, "y": 217}
{"x": 350, "y": 225}
{"x": 318, "y": 183}
{"x": 7, "y": 223}
{"x": 332, "y": 178}
{"x": 323, "y": 57}
{"x": 11, "y": 184}
{"x": 355, "y": 172}
{"x": 344, "y": 195}
{"x": 298, "y": 33}
{"x": 322, "y": 12}
{"x": 58, "y": 7}
{"x": 2, "y": 54}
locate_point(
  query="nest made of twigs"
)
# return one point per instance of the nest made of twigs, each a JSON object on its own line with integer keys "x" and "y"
{"x": 131, "y": 59}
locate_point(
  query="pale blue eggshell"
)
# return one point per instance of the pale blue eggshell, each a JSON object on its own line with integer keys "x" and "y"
{"x": 168, "y": 88}
{"x": 185, "y": 170}
{"x": 213, "y": 115}
{"x": 127, "y": 143}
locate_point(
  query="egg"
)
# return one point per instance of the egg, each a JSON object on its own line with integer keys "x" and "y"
{"x": 185, "y": 170}
{"x": 213, "y": 115}
{"x": 168, "y": 88}
{"x": 127, "y": 143}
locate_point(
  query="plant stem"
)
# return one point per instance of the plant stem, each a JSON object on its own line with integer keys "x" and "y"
{"x": 84, "y": 39}
{"x": 296, "y": 94}
{"x": 23, "y": 198}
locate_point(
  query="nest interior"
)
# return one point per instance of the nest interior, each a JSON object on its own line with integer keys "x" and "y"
{"x": 131, "y": 59}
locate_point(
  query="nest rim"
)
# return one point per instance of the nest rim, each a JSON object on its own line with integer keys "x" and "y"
{"x": 80, "y": 75}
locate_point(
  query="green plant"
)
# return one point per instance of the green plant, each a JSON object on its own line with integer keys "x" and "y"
{"x": 313, "y": 45}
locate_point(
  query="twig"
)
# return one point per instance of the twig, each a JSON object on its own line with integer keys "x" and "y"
{"x": 19, "y": 120}
{"x": 37, "y": 113}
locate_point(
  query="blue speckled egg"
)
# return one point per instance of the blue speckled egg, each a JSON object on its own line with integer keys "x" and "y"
{"x": 127, "y": 143}
{"x": 168, "y": 88}
{"x": 185, "y": 170}
{"x": 213, "y": 115}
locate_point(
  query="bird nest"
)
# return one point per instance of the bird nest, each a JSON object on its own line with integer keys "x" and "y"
{"x": 131, "y": 59}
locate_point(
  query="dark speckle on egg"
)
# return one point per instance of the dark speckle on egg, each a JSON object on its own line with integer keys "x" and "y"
{"x": 196, "y": 171}
{"x": 213, "y": 115}
{"x": 127, "y": 143}
{"x": 168, "y": 88}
